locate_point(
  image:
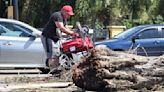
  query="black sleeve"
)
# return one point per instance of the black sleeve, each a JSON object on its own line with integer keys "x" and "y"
{"x": 57, "y": 17}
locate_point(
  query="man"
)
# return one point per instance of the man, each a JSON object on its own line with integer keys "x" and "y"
{"x": 58, "y": 20}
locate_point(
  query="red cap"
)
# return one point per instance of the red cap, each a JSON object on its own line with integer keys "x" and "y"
{"x": 68, "y": 9}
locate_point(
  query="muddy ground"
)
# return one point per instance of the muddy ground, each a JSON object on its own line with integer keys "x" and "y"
{"x": 23, "y": 79}
{"x": 22, "y": 83}
{"x": 103, "y": 71}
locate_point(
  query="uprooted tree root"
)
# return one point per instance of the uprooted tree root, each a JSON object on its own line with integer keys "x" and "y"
{"x": 107, "y": 71}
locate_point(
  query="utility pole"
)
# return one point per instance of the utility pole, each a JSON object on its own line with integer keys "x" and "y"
{"x": 16, "y": 11}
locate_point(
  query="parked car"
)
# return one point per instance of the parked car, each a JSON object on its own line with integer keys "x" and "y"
{"x": 146, "y": 38}
{"x": 20, "y": 46}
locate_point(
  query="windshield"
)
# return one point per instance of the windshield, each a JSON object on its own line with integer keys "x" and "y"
{"x": 127, "y": 33}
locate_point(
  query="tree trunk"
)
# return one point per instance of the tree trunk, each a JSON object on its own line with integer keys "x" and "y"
{"x": 107, "y": 71}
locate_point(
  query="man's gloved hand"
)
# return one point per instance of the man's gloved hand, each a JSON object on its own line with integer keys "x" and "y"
{"x": 75, "y": 34}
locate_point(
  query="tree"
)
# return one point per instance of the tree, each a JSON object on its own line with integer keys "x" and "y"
{"x": 139, "y": 11}
{"x": 88, "y": 11}
{"x": 160, "y": 9}
{"x": 37, "y": 12}
{"x": 94, "y": 13}
{"x": 3, "y": 8}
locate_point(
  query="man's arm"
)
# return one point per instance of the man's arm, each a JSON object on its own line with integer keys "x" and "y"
{"x": 64, "y": 29}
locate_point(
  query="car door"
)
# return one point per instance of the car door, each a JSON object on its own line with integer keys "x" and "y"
{"x": 162, "y": 40}
{"x": 19, "y": 48}
{"x": 147, "y": 42}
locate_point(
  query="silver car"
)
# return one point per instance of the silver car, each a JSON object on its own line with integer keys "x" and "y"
{"x": 20, "y": 45}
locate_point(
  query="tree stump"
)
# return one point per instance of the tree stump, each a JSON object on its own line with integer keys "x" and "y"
{"x": 107, "y": 71}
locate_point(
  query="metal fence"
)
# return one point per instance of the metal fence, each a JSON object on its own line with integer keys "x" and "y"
{"x": 100, "y": 34}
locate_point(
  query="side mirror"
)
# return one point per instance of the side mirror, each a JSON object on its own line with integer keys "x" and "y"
{"x": 33, "y": 36}
{"x": 133, "y": 40}
{"x": 36, "y": 34}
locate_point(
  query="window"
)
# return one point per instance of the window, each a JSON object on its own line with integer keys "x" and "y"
{"x": 7, "y": 32}
{"x": 1, "y": 30}
{"x": 149, "y": 33}
{"x": 23, "y": 32}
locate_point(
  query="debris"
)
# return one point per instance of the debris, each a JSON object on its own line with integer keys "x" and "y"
{"x": 107, "y": 71}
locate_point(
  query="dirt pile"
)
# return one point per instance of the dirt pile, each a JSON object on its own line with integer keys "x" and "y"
{"x": 107, "y": 71}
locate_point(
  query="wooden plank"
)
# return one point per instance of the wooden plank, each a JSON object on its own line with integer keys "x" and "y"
{"x": 19, "y": 71}
{"x": 3, "y": 76}
{"x": 40, "y": 85}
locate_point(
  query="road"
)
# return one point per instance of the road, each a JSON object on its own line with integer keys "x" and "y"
{"x": 31, "y": 80}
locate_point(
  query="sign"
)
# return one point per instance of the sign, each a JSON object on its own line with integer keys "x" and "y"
{"x": 10, "y": 12}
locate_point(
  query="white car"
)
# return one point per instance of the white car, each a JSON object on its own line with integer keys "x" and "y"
{"x": 20, "y": 46}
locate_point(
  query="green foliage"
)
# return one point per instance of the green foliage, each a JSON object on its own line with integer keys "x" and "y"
{"x": 37, "y": 12}
{"x": 83, "y": 11}
{"x": 158, "y": 20}
{"x": 3, "y": 8}
{"x": 94, "y": 13}
{"x": 160, "y": 8}
{"x": 138, "y": 12}
{"x": 127, "y": 23}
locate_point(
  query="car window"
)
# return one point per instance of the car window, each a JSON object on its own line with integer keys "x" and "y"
{"x": 127, "y": 33}
{"x": 148, "y": 34}
{"x": 1, "y": 30}
{"x": 24, "y": 32}
{"x": 7, "y": 32}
